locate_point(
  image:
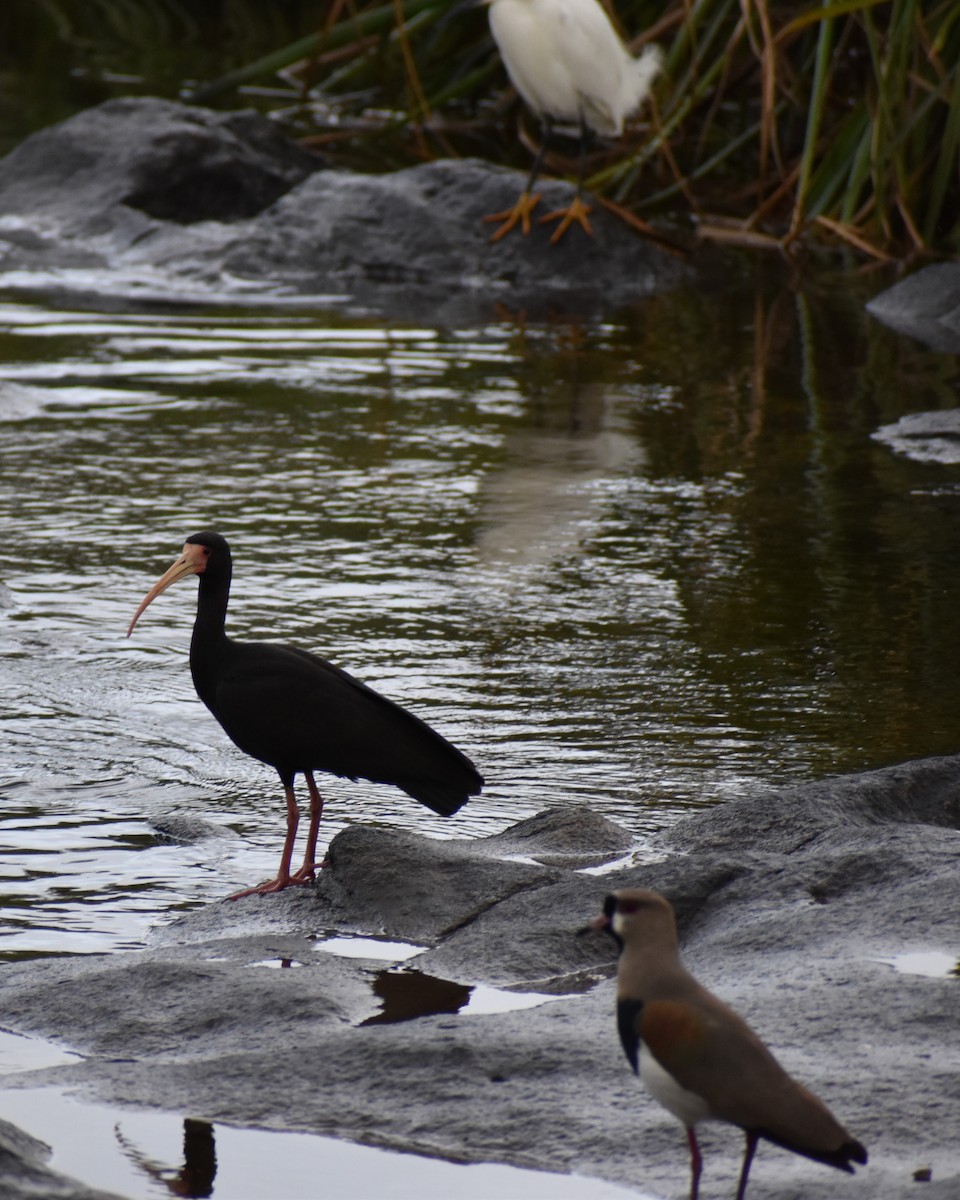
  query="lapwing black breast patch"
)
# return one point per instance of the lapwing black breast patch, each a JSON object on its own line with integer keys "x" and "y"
{"x": 627, "y": 1013}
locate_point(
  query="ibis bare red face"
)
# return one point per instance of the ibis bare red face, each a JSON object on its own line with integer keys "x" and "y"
{"x": 193, "y": 561}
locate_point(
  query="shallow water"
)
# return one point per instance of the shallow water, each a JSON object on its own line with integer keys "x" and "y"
{"x": 647, "y": 564}
{"x": 147, "y": 1155}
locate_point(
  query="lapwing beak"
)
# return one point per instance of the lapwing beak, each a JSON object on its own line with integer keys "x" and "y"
{"x": 599, "y": 924}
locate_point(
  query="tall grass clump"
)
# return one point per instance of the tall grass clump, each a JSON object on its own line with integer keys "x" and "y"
{"x": 776, "y": 122}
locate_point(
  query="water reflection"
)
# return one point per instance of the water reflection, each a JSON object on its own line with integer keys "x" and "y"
{"x": 130, "y": 1153}
{"x": 194, "y": 1179}
{"x": 646, "y": 564}
{"x": 407, "y": 995}
{"x": 551, "y": 493}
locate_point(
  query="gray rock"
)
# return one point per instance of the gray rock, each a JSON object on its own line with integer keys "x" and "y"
{"x": 925, "y": 305}
{"x": 415, "y": 241}
{"x": 157, "y": 157}
{"x": 149, "y": 197}
{"x": 25, "y": 1176}
{"x": 793, "y": 905}
{"x": 529, "y": 941}
{"x": 572, "y": 836}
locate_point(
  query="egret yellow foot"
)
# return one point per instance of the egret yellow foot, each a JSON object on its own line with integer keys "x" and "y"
{"x": 578, "y": 211}
{"x": 520, "y": 212}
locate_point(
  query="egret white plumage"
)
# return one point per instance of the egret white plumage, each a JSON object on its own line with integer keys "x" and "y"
{"x": 567, "y": 62}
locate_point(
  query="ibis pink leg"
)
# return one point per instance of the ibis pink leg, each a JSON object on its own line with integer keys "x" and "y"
{"x": 306, "y": 872}
{"x": 283, "y": 875}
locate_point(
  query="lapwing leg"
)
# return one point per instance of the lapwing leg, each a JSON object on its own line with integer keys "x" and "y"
{"x": 283, "y": 875}
{"x": 696, "y": 1163}
{"x": 748, "y": 1154}
{"x": 528, "y": 200}
{"x": 306, "y": 872}
{"x": 576, "y": 210}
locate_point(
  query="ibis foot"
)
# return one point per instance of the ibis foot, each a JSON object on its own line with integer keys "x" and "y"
{"x": 307, "y": 873}
{"x": 271, "y": 885}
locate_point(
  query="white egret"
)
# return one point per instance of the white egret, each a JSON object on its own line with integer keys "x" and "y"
{"x": 567, "y": 62}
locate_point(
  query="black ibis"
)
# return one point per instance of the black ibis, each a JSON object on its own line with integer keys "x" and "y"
{"x": 300, "y": 714}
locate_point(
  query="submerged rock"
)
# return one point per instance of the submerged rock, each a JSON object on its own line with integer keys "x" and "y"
{"x": 183, "y": 828}
{"x": 23, "y": 402}
{"x": 925, "y": 305}
{"x": 930, "y": 437}
{"x": 793, "y": 905}
{"x": 152, "y": 198}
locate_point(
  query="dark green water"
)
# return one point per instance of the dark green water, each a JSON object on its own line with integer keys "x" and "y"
{"x": 647, "y": 565}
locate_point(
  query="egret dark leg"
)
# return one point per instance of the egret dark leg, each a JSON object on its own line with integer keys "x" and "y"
{"x": 283, "y": 875}
{"x": 577, "y": 210}
{"x": 306, "y": 872}
{"x": 747, "y": 1160}
{"x": 696, "y": 1163}
{"x": 528, "y": 200}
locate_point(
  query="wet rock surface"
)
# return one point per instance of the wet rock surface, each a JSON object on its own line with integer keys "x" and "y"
{"x": 790, "y": 905}
{"x": 152, "y": 198}
{"x": 24, "y": 1174}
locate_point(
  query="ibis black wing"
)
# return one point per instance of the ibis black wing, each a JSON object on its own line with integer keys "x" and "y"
{"x": 298, "y": 712}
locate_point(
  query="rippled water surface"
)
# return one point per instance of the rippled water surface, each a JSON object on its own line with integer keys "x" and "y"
{"x": 648, "y": 565}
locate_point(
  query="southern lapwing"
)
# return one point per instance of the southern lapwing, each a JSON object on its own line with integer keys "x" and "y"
{"x": 697, "y": 1057}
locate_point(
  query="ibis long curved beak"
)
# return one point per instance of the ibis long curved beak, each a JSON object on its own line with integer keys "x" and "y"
{"x": 192, "y": 561}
